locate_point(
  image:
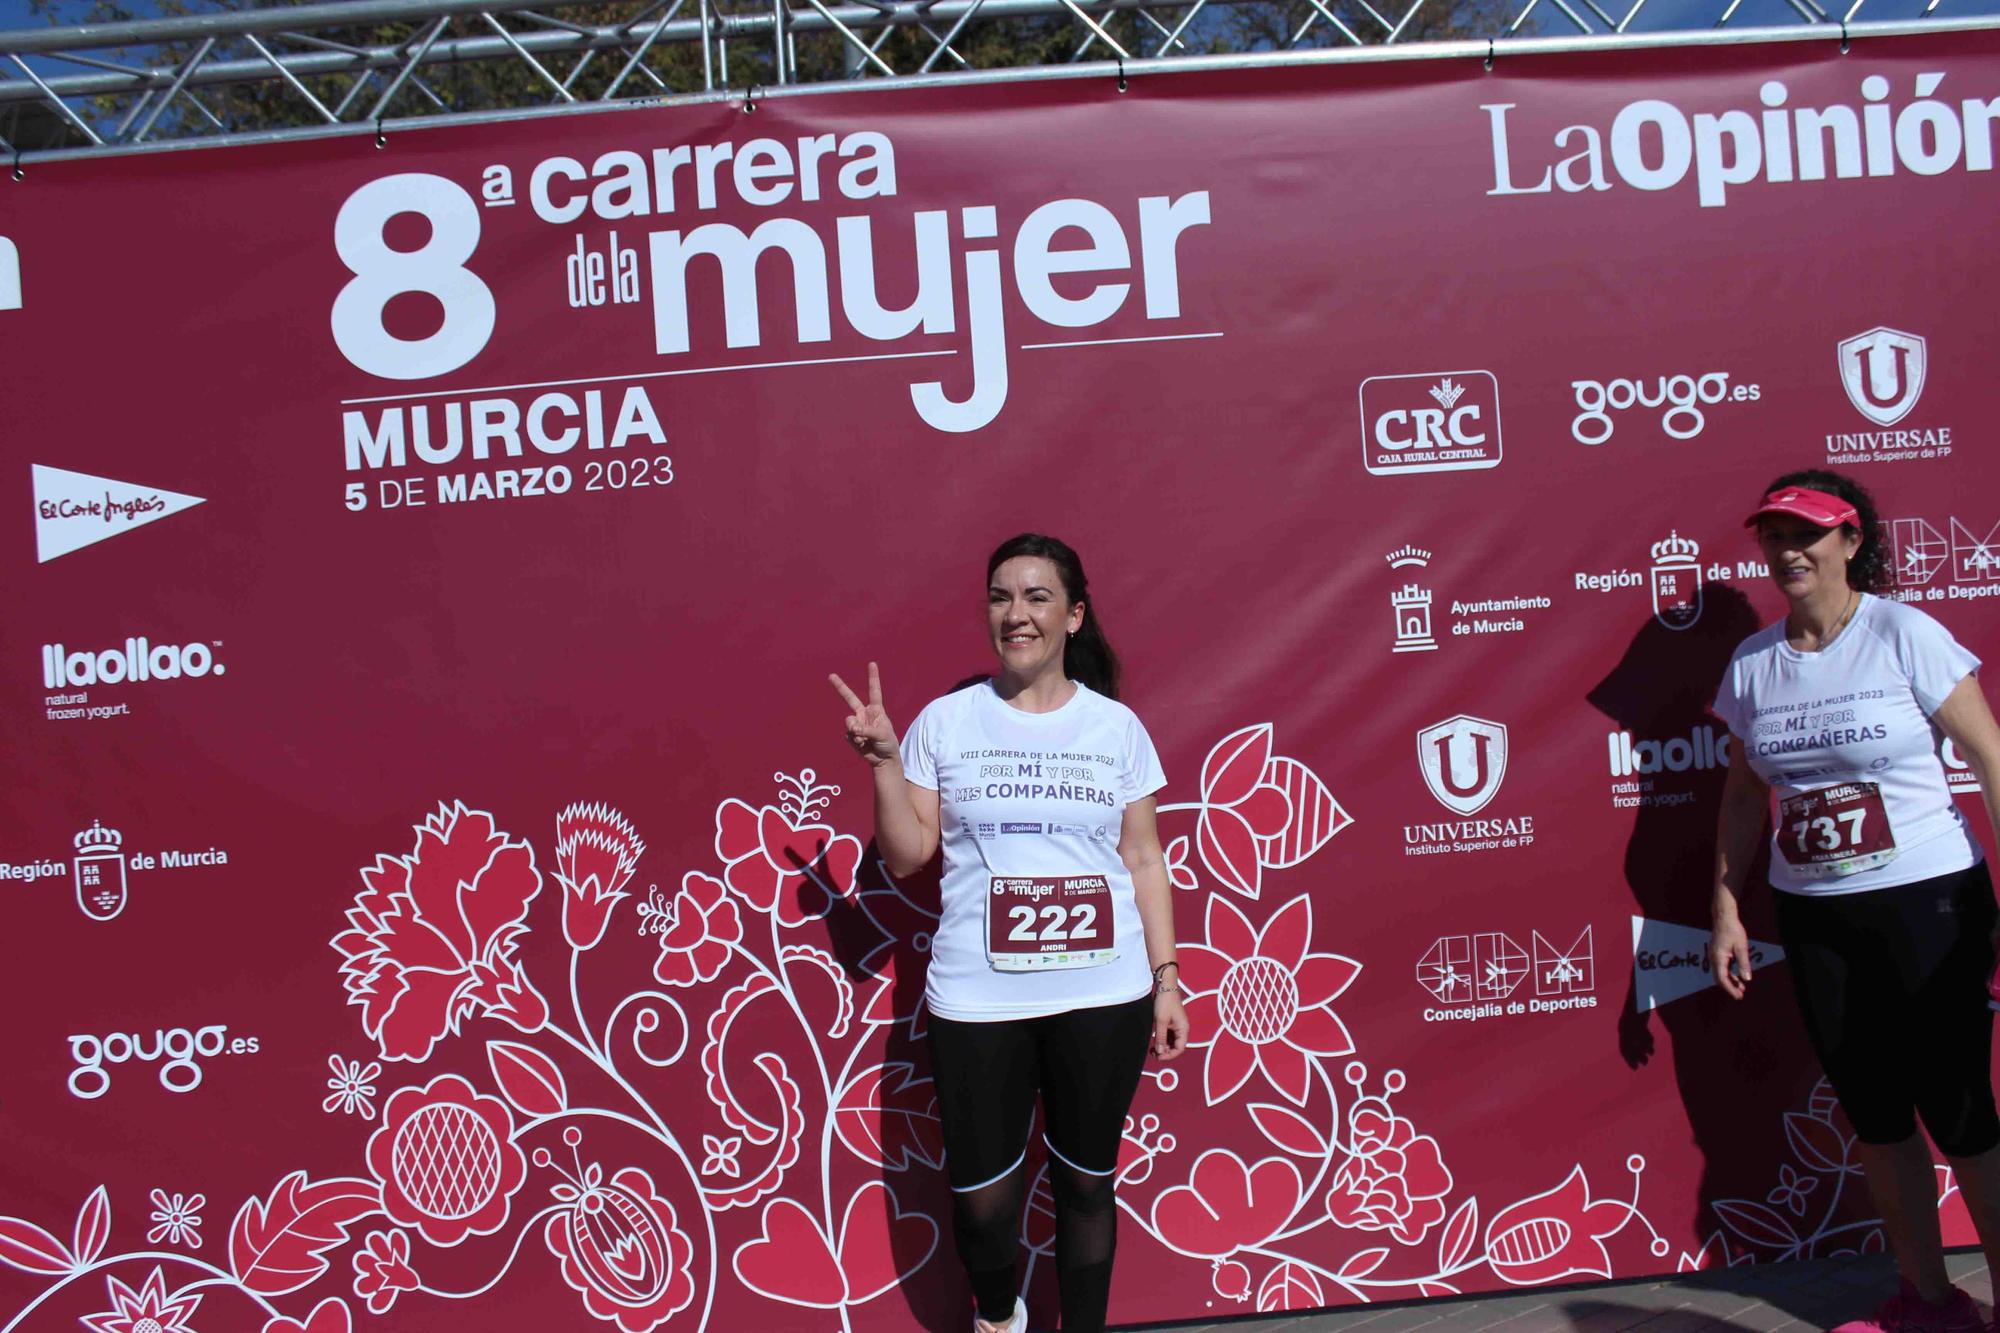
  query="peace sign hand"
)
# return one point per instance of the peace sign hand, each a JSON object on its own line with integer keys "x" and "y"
{"x": 869, "y": 730}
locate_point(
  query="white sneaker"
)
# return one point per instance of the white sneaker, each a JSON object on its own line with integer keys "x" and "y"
{"x": 1016, "y": 1322}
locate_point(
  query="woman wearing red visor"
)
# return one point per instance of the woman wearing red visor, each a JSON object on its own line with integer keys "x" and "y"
{"x": 1884, "y": 905}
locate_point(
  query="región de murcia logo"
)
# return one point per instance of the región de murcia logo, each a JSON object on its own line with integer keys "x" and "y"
{"x": 1676, "y": 581}
{"x": 99, "y": 869}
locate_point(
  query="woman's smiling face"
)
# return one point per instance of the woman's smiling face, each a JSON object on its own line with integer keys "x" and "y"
{"x": 1029, "y": 615}
{"x": 1805, "y": 558}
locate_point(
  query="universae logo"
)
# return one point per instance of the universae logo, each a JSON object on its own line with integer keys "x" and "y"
{"x": 1464, "y": 759}
{"x": 1883, "y": 373}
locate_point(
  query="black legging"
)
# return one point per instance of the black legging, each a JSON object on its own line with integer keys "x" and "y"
{"x": 1893, "y": 986}
{"x": 1085, "y": 1064}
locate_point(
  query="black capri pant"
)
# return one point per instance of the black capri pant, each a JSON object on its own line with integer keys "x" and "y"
{"x": 1892, "y": 983}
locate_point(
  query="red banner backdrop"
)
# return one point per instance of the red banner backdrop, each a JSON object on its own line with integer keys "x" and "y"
{"x": 436, "y": 887}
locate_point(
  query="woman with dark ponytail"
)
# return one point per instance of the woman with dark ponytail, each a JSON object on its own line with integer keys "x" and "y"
{"x": 1052, "y": 971}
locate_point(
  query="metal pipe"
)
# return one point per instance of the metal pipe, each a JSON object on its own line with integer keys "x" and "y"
{"x": 898, "y": 13}
{"x": 193, "y": 63}
{"x": 1474, "y": 49}
{"x": 409, "y": 68}
{"x": 944, "y": 43}
{"x": 521, "y": 51}
{"x": 155, "y": 32}
{"x": 62, "y": 107}
{"x": 290, "y": 78}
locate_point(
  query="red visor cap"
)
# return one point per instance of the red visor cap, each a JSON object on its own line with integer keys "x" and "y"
{"x": 1827, "y": 511}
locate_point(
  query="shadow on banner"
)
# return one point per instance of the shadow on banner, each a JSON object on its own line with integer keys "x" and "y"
{"x": 1739, "y": 1067}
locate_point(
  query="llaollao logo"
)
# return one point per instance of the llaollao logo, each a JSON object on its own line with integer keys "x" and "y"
{"x": 138, "y": 659}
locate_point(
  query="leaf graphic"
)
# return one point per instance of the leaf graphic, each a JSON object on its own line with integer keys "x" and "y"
{"x": 890, "y": 1121}
{"x": 1757, "y": 1224}
{"x": 25, "y": 1246}
{"x": 1235, "y": 764}
{"x": 1229, "y": 850}
{"x": 528, "y": 1078}
{"x": 93, "y": 1228}
{"x": 1364, "y": 1263}
{"x": 1456, "y": 1240}
{"x": 1315, "y": 817}
{"x": 279, "y": 1247}
{"x": 1436, "y": 1289}
{"x": 1288, "y": 1129}
{"x": 1818, "y": 1144}
{"x": 1289, "y": 1286}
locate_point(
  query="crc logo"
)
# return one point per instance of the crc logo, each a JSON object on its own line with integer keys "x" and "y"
{"x": 1448, "y": 421}
{"x": 1463, "y": 760}
{"x": 1883, "y": 373}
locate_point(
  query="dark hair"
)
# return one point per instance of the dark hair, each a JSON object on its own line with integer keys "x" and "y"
{"x": 1869, "y": 570}
{"x": 1087, "y": 657}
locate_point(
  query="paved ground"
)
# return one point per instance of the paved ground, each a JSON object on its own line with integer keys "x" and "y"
{"x": 1789, "y": 1297}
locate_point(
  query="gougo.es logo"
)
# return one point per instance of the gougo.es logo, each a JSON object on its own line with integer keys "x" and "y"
{"x": 179, "y": 1049}
{"x": 1681, "y": 396}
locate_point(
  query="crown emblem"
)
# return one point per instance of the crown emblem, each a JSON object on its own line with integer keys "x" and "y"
{"x": 98, "y": 838}
{"x": 1676, "y": 549}
{"x": 1447, "y": 393}
{"x": 1407, "y": 555}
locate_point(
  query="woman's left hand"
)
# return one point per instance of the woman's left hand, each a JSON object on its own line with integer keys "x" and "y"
{"x": 1170, "y": 1027}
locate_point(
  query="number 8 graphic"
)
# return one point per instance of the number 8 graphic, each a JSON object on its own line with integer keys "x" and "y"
{"x": 437, "y": 269}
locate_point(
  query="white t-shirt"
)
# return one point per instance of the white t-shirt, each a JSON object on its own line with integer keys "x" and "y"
{"x": 1019, "y": 794}
{"x": 1858, "y": 712}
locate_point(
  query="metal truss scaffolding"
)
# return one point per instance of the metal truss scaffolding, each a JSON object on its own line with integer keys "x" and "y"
{"x": 279, "y": 71}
